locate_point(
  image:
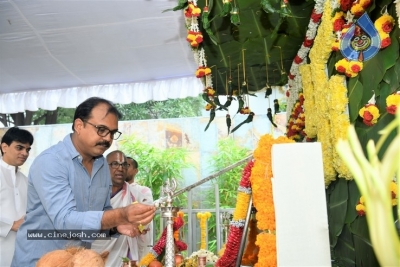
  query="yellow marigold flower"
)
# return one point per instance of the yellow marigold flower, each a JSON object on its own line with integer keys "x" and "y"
{"x": 351, "y": 74}
{"x": 360, "y": 207}
{"x": 385, "y": 23}
{"x": 362, "y": 200}
{"x": 338, "y": 15}
{"x": 357, "y": 9}
{"x": 393, "y": 100}
{"x": 342, "y": 65}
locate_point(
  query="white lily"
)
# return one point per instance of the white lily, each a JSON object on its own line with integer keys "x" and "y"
{"x": 373, "y": 178}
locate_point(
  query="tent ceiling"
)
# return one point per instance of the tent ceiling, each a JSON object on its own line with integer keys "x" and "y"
{"x": 62, "y": 44}
{"x": 75, "y": 48}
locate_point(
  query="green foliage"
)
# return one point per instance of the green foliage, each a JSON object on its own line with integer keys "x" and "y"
{"x": 172, "y": 108}
{"x": 229, "y": 152}
{"x": 155, "y": 165}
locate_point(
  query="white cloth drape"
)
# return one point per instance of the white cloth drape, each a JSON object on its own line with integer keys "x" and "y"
{"x": 117, "y": 93}
{"x": 118, "y": 247}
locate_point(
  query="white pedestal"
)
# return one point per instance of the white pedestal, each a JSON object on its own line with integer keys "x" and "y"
{"x": 300, "y": 205}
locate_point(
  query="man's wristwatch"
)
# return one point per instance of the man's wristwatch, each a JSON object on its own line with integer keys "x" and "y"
{"x": 114, "y": 231}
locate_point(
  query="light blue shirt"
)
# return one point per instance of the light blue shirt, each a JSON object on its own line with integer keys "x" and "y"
{"x": 62, "y": 195}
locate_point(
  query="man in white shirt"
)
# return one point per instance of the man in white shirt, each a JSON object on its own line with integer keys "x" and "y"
{"x": 143, "y": 195}
{"x": 15, "y": 146}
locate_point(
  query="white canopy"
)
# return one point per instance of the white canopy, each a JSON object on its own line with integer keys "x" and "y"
{"x": 57, "y": 53}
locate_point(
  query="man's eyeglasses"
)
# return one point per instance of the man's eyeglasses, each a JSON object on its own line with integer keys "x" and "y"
{"x": 103, "y": 131}
{"x": 116, "y": 165}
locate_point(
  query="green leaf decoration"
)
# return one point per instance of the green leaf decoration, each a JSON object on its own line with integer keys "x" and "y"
{"x": 355, "y": 93}
{"x": 182, "y": 4}
{"x": 344, "y": 249}
{"x": 337, "y": 208}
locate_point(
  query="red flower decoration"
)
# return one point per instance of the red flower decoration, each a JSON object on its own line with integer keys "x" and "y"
{"x": 338, "y": 24}
{"x": 341, "y": 69}
{"x": 345, "y": 5}
{"x": 387, "y": 27}
{"x": 391, "y": 109}
{"x": 315, "y": 17}
{"x": 366, "y": 4}
{"x": 308, "y": 42}
{"x": 287, "y": 93}
{"x": 386, "y": 42}
{"x": 291, "y": 76}
{"x": 367, "y": 118}
{"x": 297, "y": 60}
{"x": 355, "y": 68}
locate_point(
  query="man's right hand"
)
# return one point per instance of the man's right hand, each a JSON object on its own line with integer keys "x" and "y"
{"x": 139, "y": 213}
{"x": 17, "y": 224}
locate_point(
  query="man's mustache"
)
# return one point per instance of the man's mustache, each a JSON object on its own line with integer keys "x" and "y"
{"x": 105, "y": 143}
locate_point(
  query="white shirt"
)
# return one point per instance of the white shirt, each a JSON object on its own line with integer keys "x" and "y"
{"x": 13, "y": 199}
{"x": 143, "y": 195}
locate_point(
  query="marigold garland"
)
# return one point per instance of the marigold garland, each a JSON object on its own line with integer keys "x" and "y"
{"x": 230, "y": 253}
{"x": 260, "y": 179}
{"x": 203, "y": 217}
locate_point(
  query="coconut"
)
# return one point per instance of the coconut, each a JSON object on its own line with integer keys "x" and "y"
{"x": 56, "y": 258}
{"x": 73, "y": 257}
{"x": 87, "y": 257}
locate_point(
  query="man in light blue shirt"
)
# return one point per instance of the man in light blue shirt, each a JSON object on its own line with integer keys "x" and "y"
{"x": 69, "y": 189}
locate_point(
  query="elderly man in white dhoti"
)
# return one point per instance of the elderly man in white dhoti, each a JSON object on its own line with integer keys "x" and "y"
{"x": 120, "y": 246}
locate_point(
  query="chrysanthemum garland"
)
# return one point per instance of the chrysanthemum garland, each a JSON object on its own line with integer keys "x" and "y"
{"x": 228, "y": 259}
{"x": 339, "y": 118}
{"x": 294, "y": 77}
{"x": 326, "y": 113}
{"x": 203, "y": 217}
{"x": 260, "y": 179}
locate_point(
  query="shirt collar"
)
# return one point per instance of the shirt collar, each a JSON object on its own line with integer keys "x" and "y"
{"x": 72, "y": 150}
{"x": 7, "y": 166}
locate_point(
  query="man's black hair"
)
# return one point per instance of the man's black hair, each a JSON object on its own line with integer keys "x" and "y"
{"x": 18, "y": 135}
{"x": 135, "y": 164}
{"x": 84, "y": 110}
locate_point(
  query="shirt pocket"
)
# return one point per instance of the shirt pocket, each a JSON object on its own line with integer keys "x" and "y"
{"x": 99, "y": 198}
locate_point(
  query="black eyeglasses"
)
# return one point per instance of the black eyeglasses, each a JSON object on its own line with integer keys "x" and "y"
{"x": 116, "y": 165}
{"x": 103, "y": 131}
